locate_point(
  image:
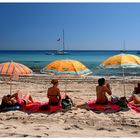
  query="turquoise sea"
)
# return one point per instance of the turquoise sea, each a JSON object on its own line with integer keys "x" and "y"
{"x": 37, "y": 59}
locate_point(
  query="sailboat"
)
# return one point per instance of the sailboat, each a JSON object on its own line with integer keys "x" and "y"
{"x": 124, "y": 50}
{"x": 62, "y": 52}
{"x": 49, "y": 53}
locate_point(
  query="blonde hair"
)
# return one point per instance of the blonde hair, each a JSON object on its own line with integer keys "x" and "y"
{"x": 54, "y": 81}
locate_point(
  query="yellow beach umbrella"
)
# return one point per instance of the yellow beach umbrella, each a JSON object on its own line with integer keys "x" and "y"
{"x": 70, "y": 67}
{"x": 121, "y": 61}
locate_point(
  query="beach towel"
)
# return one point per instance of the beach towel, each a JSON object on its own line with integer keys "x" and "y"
{"x": 35, "y": 107}
{"x": 16, "y": 107}
{"x": 135, "y": 108}
{"x": 103, "y": 108}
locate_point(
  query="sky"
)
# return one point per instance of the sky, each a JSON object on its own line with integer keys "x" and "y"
{"x": 87, "y": 26}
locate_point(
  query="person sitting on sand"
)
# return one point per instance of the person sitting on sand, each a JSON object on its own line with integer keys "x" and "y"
{"x": 135, "y": 99}
{"x": 53, "y": 93}
{"x": 17, "y": 98}
{"x": 137, "y": 89}
{"x": 101, "y": 91}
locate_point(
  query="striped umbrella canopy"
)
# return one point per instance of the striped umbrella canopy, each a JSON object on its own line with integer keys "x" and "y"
{"x": 70, "y": 67}
{"x": 121, "y": 61}
{"x": 11, "y": 68}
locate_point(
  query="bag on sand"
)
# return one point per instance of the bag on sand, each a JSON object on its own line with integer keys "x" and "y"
{"x": 114, "y": 99}
{"x": 66, "y": 103}
{"x": 122, "y": 101}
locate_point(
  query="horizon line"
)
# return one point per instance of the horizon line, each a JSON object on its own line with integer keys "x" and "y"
{"x": 70, "y": 50}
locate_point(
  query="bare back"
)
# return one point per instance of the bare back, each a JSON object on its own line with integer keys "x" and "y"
{"x": 101, "y": 94}
{"x": 53, "y": 94}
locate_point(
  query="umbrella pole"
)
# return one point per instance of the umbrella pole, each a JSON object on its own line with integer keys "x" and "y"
{"x": 10, "y": 86}
{"x": 123, "y": 81}
{"x": 66, "y": 86}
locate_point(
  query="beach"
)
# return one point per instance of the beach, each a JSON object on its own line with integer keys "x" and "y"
{"x": 76, "y": 43}
{"x": 78, "y": 121}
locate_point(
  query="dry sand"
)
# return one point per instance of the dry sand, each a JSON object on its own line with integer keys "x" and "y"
{"x": 76, "y": 122}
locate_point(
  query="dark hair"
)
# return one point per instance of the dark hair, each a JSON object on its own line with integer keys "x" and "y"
{"x": 54, "y": 81}
{"x": 4, "y": 103}
{"x": 8, "y": 95}
{"x": 138, "y": 84}
{"x": 101, "y": 81}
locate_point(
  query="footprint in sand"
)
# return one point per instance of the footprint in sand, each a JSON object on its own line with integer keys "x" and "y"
{"x": 27, "y": 122}
{"x": 134, "y": 132}
{"x": 73, "y": 127}
{"x": 38, "y": 127}
{"x": 46, "y": 134}
{"x": 38, "y": 136}
{"x": 133, "y": 122}
{"x": 67, "y": 128}
{"x": 120, "y": 128}
{"x": 12, "y": 118}
{"x": 102, "y": 128}
{"x": 9, "y": 127}
{"x": 12, "y": 134}
{"x": 24, "y": 135}
{"x": 77, "y": 127}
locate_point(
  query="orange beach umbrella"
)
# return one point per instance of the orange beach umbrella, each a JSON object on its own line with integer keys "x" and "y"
{"x": 70, "y": 67}
{"x": 13, "y": 68}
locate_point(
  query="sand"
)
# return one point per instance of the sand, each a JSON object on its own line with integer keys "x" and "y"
{"x": 79, "y": 121}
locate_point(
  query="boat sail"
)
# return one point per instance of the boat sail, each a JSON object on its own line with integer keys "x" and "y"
{"x": 59, "y": 52}
{"x": 124, "y": 50}
{"x": 62, "y": 52}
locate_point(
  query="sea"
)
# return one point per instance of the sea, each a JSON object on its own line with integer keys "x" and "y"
{"x": 37, "y": 59}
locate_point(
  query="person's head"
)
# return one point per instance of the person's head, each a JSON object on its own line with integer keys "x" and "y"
{"x": 101, "y": 81}
{"x": 54, "y": 82}
{"x": 138, "y": 84}
{"x": 5, "y": 99}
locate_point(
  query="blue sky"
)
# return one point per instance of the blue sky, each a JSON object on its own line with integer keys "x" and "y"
{"x": 92, "y": 26}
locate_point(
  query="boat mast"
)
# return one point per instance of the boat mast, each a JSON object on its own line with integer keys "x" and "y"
{"x": 124, "y": 45}
{"x": 63, "y": 42}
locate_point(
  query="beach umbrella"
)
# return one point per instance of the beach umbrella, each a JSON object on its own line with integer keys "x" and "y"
{"x": 121, "y": 61}
{"x": 66, "y": 67}
{"x": 14, "y": 70}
